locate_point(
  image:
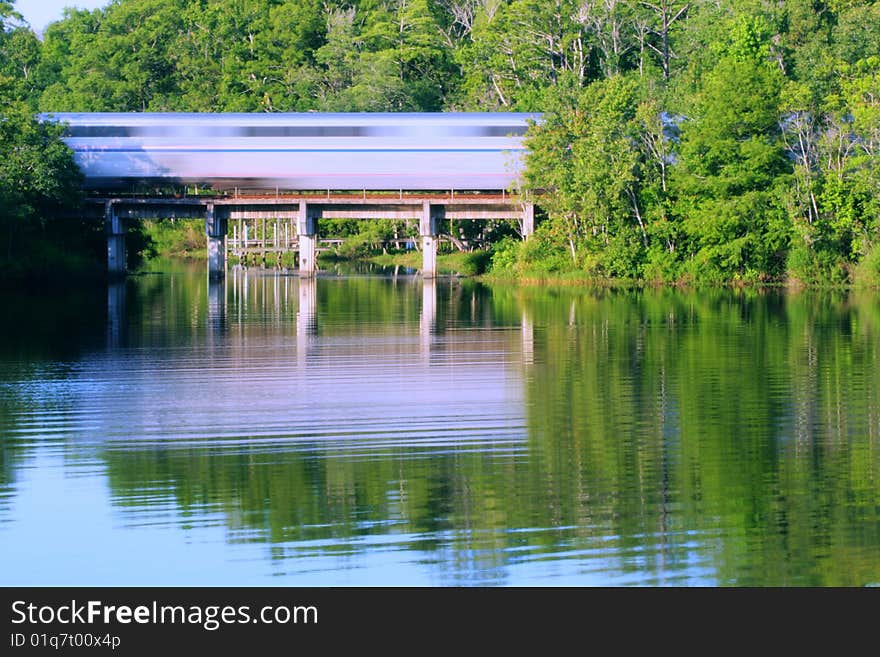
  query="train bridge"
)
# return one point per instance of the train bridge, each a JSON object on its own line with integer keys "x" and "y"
{"x": 422, "y": 167}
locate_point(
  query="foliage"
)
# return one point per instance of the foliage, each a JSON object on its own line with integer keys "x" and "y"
{"x": 710, "y": 141}
{"x": 730, "y": 166}
{"x": 181, "y": 237}
{"x": 38, "y": 181}
{"x": 867, "y": 273}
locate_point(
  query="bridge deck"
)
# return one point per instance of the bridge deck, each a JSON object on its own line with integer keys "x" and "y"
{"x": 328, "y": 206}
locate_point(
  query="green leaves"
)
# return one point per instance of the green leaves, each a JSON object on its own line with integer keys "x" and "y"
{"x": 707, "y": 139}
{"x": 37, "y": 176}
{"x": 730, "y": 163}
{"x": 588, "y": 158}
{"x": 248, "y": 55}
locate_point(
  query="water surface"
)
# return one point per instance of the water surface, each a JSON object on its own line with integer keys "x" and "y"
{"x": 377, "y": 430}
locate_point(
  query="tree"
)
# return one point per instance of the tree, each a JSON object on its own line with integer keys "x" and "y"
{"x": 19, "y": 57}
{"x": 518, "y": 49}
{"x": 664, "y": 15}
{"x": 656, "y": 134}
{"x": 586, "y": 155}
{"x": 337, "y": 58}
{"x": 116, "y": 59}
{"x": 862, "y": 93}
{"x": 37, "y": 173}
{"x": 731, "y": 165}
{"x": 8, "y": 13}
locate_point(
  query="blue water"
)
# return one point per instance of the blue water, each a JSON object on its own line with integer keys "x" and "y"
{"x": 375, "y": 430}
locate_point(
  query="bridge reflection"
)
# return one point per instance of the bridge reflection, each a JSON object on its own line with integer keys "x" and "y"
{"x": 285, "y": 299}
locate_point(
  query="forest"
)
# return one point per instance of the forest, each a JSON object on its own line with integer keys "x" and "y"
{"x": 709, "y": 141}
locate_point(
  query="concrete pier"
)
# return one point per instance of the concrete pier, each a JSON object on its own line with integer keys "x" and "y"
{"x": 114, "y": 227}
{"x": 307, "y": 230}
{"x": 429, "y": 256}
{"x": 215, "y": 230}
{"x": 429, "y": 229}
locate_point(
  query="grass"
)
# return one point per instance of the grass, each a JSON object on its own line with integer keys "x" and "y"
{"x": 467, "y": 263}
{"x": 867, "y": 272}
{"x": 182, "y": 238}
{"x": 561, "y": 278}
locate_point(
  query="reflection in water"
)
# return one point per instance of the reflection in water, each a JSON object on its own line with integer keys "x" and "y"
{"x": 385, "y": 430}
{"x": 306, "y": 317}
{"x": 528, "y": 339}
{"x": 216, "y": 308}
{"x": 428, "y": 316}
{"x": 116, "y": 318}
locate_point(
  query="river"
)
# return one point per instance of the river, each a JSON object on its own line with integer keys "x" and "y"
{"x": 373, "y": 429}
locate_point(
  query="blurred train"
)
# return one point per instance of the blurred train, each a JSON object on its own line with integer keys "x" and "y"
{"x": 308, "y": 151}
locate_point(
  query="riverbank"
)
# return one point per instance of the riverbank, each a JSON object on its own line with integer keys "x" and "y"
{"x": 461, "y": 263}
{"x": 186, "y": 239}
{"x": 176, "y": 238}
{"x": 56, "y": 253}
{"x": 51, "y": 268}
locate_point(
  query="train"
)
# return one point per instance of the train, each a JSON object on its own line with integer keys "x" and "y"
{"x": 303, "y": 151}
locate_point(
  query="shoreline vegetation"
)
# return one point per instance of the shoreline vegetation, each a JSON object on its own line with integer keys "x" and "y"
{"x": 699, "y": 142}
{"x": 185, "y": 239}
{"x": 474, "y": 265}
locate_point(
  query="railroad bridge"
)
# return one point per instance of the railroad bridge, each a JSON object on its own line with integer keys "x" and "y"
{"x": 300, "y": 216}
{"x": 426, "y": 167}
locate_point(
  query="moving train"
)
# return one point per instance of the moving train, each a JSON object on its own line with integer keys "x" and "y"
{"x": 307, "y": 151}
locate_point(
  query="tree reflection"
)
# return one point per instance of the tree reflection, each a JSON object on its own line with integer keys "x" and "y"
{"x": 728, "y": 437}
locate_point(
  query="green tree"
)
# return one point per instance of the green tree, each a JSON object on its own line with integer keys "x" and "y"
{"x": 862, "y": 92}
{"x": 515, "y": 50}
{"x": 37, "y": 177}
{"x": 19, "y": 58}
{"x": 337, "y": 57}
{"x": 731, "y": 166}
{"x": 654, "y": 23}
{"x": 586, "y": 156}
{"x": 116, "y": 59}
{"x": 654, "y": 131}
{"x": 385, "y": 56}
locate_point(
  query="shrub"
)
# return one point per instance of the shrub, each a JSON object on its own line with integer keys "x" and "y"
{"x": 867, "y": 272}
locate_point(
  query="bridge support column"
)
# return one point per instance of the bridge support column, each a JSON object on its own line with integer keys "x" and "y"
{"x": 307, "y": 230}
{"x": 429, "y": 229}
{"x": 528, "y": 220}
{"x": 215, "y": 229}
{"x": 114, "y": 227}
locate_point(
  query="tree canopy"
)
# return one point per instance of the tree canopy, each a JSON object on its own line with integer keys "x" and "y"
{"x": 701, "y": 139}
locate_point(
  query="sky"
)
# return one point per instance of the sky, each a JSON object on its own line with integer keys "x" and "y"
{"x": 40, "y": 13}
